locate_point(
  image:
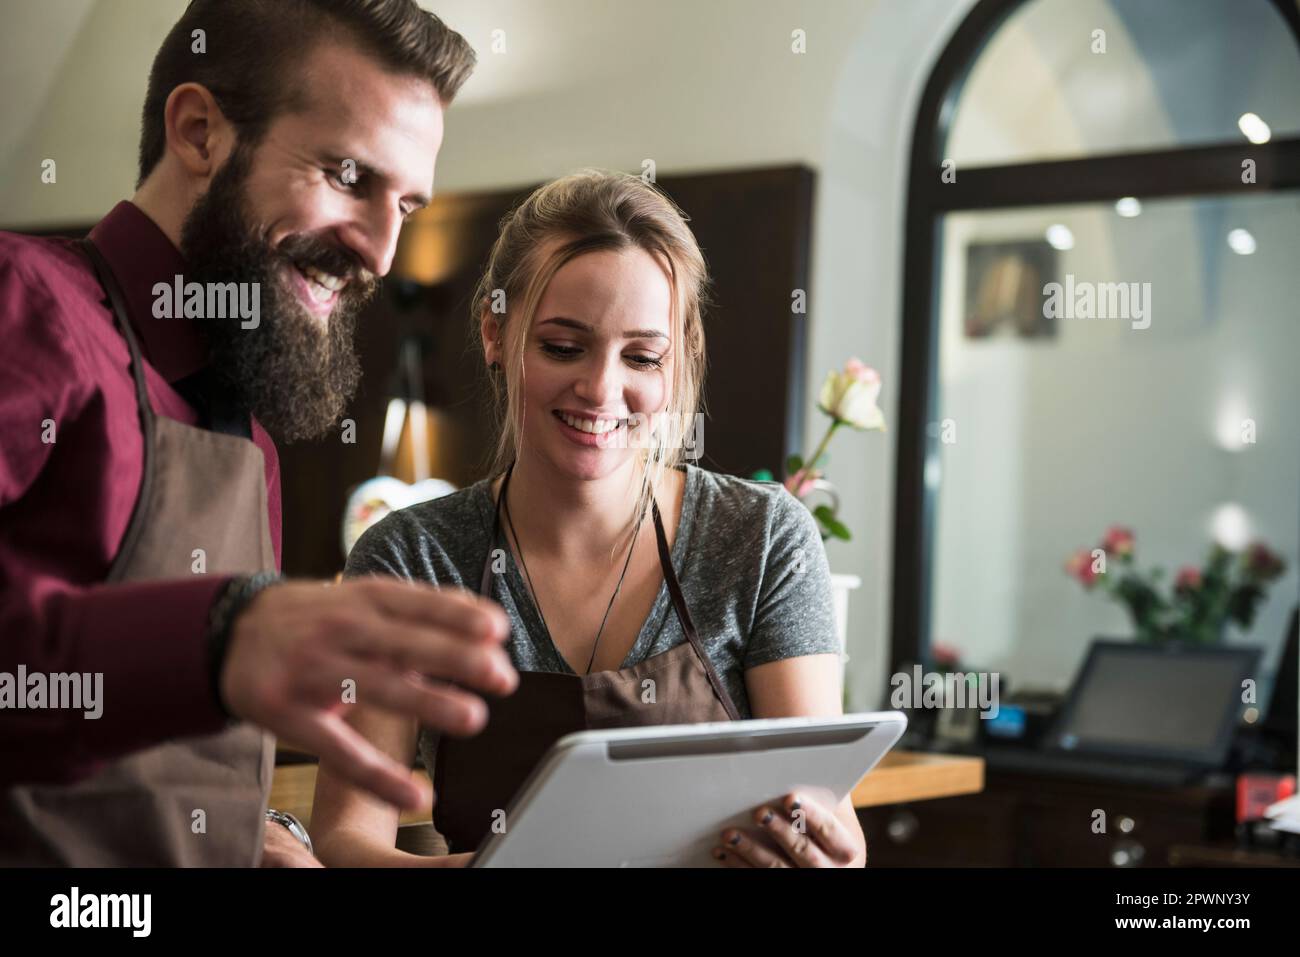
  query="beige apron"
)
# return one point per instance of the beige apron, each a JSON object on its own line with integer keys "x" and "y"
{"x": 475, "y": 777}
{"x": 200, "y": 489}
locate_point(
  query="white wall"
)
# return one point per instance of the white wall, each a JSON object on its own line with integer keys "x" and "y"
{"x": 75, "y": 98}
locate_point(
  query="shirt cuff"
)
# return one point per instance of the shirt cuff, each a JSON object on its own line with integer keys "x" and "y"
{"x": 150, "y": 642}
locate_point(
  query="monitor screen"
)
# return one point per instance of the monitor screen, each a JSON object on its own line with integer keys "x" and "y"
{"x": 1156, "y": 701}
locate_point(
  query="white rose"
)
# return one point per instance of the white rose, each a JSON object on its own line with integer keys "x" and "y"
{"x": 850, "y": 396}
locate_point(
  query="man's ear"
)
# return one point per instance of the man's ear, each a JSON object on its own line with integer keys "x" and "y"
{"x": 198, "y": 133}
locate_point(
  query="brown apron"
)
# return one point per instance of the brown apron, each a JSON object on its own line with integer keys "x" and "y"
{"x": 200, "y": 489}
{"x": 475, "y": 778}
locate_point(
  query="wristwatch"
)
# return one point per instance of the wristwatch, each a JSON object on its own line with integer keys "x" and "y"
{"x": 293, "y": 824}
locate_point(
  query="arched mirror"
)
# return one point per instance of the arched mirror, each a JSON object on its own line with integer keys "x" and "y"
{"x": 1101, "y": 321}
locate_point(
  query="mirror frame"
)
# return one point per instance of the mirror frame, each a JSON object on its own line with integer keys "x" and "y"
{"x": 1181, "y": 172}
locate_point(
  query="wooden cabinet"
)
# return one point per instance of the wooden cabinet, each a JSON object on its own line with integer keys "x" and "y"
{"x": 1024, "y": 820}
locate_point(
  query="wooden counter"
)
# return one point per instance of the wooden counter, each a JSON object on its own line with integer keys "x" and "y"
{"x": 918, "y": 776}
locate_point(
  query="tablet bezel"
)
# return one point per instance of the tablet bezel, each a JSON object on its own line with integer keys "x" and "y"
{"x": 725, "y": 737}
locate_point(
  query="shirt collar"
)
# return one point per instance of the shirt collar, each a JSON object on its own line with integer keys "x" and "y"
{"x": 140, "y": 256}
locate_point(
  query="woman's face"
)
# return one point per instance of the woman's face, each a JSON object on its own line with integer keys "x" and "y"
{"x": 597, "y": 355}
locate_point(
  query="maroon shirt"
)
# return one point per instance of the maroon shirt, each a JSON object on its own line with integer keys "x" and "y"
{"x": 65, "y": 505}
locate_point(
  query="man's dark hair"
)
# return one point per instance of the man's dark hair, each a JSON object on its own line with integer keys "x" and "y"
{"x": 253, "y": 50}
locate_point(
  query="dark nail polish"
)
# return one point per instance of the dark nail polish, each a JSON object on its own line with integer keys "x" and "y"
{"x": 735, "y": 839}
{"x": 795, "y": 805}
{"x": 767, "y": 818}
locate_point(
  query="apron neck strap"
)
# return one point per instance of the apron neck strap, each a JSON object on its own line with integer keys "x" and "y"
{"x": 670, "y": 579}
{"x": 485, "y": 582}
{"x": 117, "y": 302}
{"x": 684, "y": 616}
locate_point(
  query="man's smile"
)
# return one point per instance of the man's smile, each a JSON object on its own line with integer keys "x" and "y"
{"x": 318, "y": 291}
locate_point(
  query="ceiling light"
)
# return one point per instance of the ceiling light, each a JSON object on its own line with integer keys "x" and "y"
{"x": 1241, "y": 242}
{"x": 1060, "y": 237}
{"x": 1255, "y": 129}
{"x": 1128, "y": 206}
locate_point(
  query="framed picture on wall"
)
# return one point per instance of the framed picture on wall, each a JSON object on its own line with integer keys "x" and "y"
{"x": 1004, "y": 289}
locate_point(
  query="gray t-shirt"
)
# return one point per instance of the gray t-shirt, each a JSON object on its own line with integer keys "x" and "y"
{"x": 748, "y": 555}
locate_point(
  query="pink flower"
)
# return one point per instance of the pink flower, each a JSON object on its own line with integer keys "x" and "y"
{"x": 1079, "y": 565}
{"x": 1188, "y": 580}
{"x": 1262, "y": 563}
{"x": 1118, "y": 541}
{"x": 805, "y": 486}
{"x": 860, "y": 371}
{"x": 944, "y": 655}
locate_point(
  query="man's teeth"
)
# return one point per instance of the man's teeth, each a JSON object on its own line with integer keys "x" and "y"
{"x": 596, "y": 427}
{"x": 323, "y": 286}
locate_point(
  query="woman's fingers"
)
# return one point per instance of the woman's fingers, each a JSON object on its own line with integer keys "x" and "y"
{"x": 791, "y": 836}
{"x": 740, "y": 850}
{"x": 806, "y": 834}
{"x": 729, "y": 858}
{"x": 824, "y": 826}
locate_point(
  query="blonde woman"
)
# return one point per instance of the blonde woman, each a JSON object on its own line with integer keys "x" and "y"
{"x": 640, "y": 590}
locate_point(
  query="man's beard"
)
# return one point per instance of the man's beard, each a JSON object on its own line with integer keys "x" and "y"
{"x": 294, "y": 372}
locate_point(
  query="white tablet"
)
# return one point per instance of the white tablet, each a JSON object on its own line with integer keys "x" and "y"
{"x": 660, "y": 796}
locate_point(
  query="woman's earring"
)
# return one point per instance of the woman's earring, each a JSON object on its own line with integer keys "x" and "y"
{"x": 495, "y": 368}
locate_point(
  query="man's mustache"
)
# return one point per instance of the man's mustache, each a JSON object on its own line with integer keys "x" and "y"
{"x": 310, "y": 252}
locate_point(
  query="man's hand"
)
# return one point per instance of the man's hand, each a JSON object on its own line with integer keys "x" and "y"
{"x": 297, "y": 649}
{"x": 281, "y": 849}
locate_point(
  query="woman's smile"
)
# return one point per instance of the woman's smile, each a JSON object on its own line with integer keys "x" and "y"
{"x": 586, "y": 429}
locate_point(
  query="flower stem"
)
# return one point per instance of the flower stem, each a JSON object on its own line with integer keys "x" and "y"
{"x": 809, "y": 463}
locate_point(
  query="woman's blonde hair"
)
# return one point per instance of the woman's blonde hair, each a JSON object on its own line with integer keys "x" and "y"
{"x": 589, "y": 211}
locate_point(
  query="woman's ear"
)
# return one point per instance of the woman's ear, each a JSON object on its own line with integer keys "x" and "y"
{"x": 490, "y": 332}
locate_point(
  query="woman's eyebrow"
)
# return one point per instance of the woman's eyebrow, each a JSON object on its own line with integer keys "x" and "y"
{"x": 583, "y": 327}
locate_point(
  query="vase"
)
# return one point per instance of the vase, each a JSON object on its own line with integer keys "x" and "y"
{"x": 841, "y": 585}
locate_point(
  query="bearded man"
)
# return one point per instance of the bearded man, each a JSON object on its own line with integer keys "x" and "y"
{"x": 283, "y": 145}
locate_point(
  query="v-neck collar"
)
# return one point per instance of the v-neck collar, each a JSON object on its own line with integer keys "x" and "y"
{"x": 526, "y": 609}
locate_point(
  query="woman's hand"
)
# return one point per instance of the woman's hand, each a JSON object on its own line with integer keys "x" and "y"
{"x": 800, "y": 832}
{"x": 449, "y": 860}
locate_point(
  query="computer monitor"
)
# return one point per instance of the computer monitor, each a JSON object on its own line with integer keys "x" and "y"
{"x": 1173, "y": 702}
{"x": 1283, "y": 711}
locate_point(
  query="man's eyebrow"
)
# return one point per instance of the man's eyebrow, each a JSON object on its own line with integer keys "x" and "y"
{"x": 418, "y": 200}
{"x": 583, "y": 327}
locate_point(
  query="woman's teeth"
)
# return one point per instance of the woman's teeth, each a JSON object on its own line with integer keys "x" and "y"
{"x": 595, "y": 427}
